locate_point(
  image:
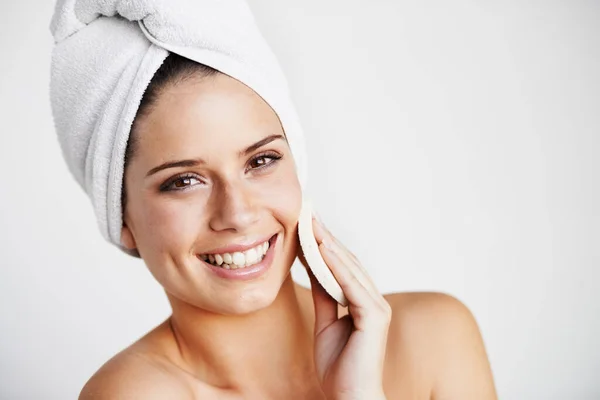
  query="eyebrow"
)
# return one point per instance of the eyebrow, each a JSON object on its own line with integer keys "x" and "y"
{"x": 198, "y": 161}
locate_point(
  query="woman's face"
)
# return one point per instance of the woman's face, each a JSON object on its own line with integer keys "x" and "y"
{"x": 236, "y": 192}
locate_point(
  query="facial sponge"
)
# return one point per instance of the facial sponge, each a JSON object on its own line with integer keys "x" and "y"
{"x": 313, "y": 257}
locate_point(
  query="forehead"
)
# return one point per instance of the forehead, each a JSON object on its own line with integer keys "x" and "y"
{"x": 217, "y": 111}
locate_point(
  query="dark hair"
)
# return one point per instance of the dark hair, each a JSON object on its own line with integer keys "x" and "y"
{"x": 175, "y": 69}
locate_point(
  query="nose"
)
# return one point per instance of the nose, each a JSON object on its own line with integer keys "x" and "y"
{"x": 234, "y": 207}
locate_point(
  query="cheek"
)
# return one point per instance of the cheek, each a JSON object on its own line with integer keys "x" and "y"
{"x": 284, "y": 196}
{"x": 169, "y": 222}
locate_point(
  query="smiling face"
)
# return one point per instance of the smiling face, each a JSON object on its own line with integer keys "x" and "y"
{"x": 239, "y": 187}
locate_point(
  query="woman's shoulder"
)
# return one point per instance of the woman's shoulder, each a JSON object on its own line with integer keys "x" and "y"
{"x": 131, "y": 375}
{"x": 137, "y": 372}
{"x": 425, "y": 321}
{"x": 435, "y": 337}
{"x": 407, "y": 304}
{"x": 430, "y": 317}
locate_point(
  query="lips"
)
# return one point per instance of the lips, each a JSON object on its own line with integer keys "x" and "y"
{"x": 247, "y": 272}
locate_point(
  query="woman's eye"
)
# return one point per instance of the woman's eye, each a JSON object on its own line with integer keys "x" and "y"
{"x": 181, "y": 183}
{"x": 264, "y": 160}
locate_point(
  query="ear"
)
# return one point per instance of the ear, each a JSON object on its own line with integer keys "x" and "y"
{"x": 127, "y": 238}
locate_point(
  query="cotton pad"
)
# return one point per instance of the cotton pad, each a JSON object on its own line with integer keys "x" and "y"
{"x": 311, "y": 252}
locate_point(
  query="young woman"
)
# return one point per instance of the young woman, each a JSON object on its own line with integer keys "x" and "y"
{"x": 210, "y": 203}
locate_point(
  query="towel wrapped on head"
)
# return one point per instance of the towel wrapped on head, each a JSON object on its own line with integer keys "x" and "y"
{"x": 105, "y": 55}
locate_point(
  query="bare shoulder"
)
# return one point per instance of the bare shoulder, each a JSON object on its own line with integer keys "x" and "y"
{"x": 431, "y": 317}
{"x": 424, "y": 305}
{"x": 434, "y": 340}
{"x": 133, "y": 375}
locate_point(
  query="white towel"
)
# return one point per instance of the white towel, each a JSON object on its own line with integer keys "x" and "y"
{"x": 106, "y": 53}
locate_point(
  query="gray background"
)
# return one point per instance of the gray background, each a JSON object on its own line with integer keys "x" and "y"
{"x": 453, "y": 147}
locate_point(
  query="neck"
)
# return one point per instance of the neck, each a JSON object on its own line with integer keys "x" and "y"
{"x": 270, "y": 349}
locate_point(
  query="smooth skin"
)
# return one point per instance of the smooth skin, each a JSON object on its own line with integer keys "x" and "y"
{"x": 268, "y": 338}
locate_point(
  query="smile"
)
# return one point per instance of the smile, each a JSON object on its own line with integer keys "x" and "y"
{"x": 238, "y": 259}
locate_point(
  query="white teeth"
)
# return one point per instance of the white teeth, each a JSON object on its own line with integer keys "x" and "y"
{"x": 251, "y": 256}
{"x": 238, "y": 259}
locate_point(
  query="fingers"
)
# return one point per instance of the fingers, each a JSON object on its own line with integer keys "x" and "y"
{"x": 346, "y": 258}
{"x": 367, "y": 305}
{"x": 368, "y": 310}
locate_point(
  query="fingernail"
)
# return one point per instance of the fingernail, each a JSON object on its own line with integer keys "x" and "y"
{"x": 327, "y": 243}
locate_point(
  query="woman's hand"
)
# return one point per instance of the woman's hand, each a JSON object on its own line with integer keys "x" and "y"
{"x": 349, "y": 351}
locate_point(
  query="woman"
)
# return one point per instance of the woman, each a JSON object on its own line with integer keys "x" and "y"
{"x": 197, "y": 173}
{"x": 265, "y": 337}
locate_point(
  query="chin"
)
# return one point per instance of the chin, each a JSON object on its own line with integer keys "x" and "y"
{"x": 248, "y": 300}
{"x": 241, "y": 305}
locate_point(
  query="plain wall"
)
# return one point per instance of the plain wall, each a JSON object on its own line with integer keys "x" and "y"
{"x": 453, "y": 147}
